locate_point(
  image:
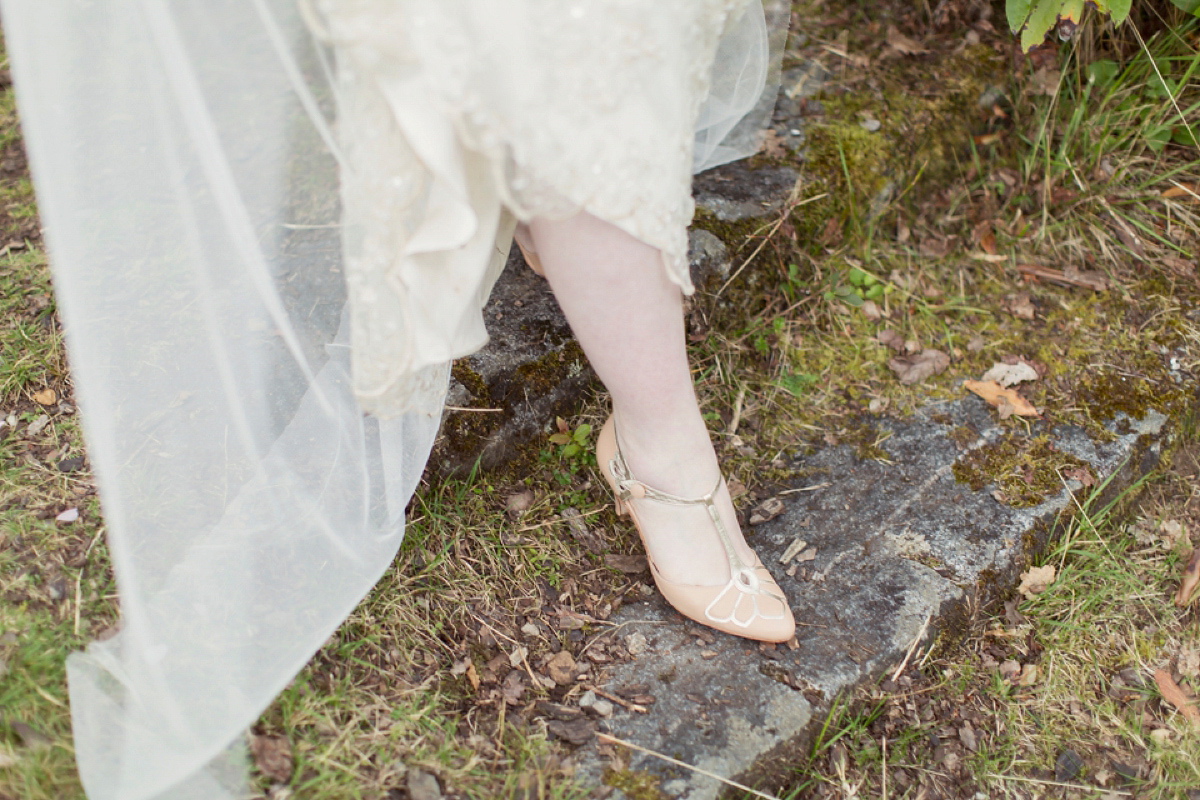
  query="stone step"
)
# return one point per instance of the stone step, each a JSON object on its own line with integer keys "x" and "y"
{"x": 903, "y": 551}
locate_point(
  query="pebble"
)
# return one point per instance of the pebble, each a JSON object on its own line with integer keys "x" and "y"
{"x": 423, "y": 786}
{"x": 595, "y": 705}
{"x": 636, "y": 644}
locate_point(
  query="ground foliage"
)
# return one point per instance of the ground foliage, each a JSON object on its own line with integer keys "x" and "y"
{"x": 992, "y": 206}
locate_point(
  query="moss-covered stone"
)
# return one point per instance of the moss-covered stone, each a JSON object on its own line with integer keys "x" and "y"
{"x": 1025, "y": 470}
{"x": 636, "y": 784}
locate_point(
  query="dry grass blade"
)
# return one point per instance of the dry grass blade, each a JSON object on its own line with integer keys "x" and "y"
{"x": 607, "y": 738}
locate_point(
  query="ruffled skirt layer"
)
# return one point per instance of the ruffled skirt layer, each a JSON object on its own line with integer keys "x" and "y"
{"x": 457, "y": 116}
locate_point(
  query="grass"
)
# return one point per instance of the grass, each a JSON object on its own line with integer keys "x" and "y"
{"x": 1059, "y": 172}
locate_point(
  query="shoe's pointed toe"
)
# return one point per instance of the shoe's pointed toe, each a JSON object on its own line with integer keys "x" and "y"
{"x": 750, "y": 605}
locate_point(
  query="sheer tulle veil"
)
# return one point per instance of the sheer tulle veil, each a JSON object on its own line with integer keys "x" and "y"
{"x": 186, "y": 158}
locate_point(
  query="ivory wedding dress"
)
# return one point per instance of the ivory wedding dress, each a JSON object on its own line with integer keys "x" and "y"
{"x": 265, "y": 219}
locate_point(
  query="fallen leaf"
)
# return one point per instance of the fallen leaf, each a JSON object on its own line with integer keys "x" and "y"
{"x": 1191, "y": 580}
{"x": 68, "y": 516}
{"x": 579, "y": 732}
{"x": 975, "y": 345}
{"x": 889, "y": 338}
{"x": 902, "y": 44}
{"x": 1036, "y": 580}
{"x": 1010, "y": 669}
{"x": 1010, "y": 374}
{"x": 513, "y": 688}
{"x": 767, "y": 510}
{"x": 273, "y": 757}
{"x": 988, "y": 242}
{"x": 1081, "y": 474}
{"x": 473, "y": 676}
{"x": 1175, "y": 696}
{"x": 518, "y": 503}
{"x": 1045, "y": 81}
{"x": 1029, "y": 675}
{"x": 518, "y": 656}
{"x": 871, "y": 311}
{"x": 630, "y": 565}
{"x": 561, "y": 668}
{"x": 46, "y": 397}
{"x": 1006, "y": 401}
{"x": 38, "y": 425}
{"x": 914, "y": 369}
{"x": 1182, "y": 190}
{"x": 1019, "y": 305}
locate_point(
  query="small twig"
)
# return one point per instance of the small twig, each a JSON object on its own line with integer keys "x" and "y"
{"x": 54, "y": 700}
{"x": 883, "y": 752}
{"x": 95, "y": 539}
{"x": 812, "y": 488}
{"x": 621, "y": 701}
{"x": 475, "y": 410}
{"x": 787, "y": 213}
{"x": 678, "y": 763}
{"x": 737, "y": 411}
{"x": 78, "y": 598}
{"x": 557, "y": 519}
{"x": 912, "y": 647}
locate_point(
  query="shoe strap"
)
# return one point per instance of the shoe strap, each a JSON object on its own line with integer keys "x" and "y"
{"x": 629, "y": 488}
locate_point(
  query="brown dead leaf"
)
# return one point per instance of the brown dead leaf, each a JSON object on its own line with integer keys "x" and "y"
{"x": 889, "y": 338}
{"x": 1190, "y": 582}
{"x": 273, "y": 757}
{"x": 1006, "y": 401}
{"x": 518, "y": 503}
{"x": 1045, "y": 81}
{"x": 1036, "y": 580}
{"x": 902, "y": 44}
{"x": 46, "y": 397}
{"x": 561, "y": 668}
{"x": 630, "y": 565}
{"x": 914, "y": 369}
{"x": 1019, "y": 305}
{"x": 1081, "y": 474}
{"x": 1175, "y": 696}
{"x": 513, "y": 688}
{"x": 1183, "y": 191}
{"x": 988, "y": 242}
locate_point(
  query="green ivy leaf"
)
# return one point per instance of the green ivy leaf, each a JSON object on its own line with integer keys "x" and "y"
{"x": 1103, "y": 72}
{"x": 1042, "y": 18}
{"x": 1190, "y": 6}
{"x": 1118, "y": 9}
{"x": 1018, "y": 12}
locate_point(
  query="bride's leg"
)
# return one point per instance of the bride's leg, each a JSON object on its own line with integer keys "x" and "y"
{"x": 628, "y": 317}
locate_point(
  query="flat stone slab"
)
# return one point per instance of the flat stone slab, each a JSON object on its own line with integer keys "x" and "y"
{"x": 903, "y": 550}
